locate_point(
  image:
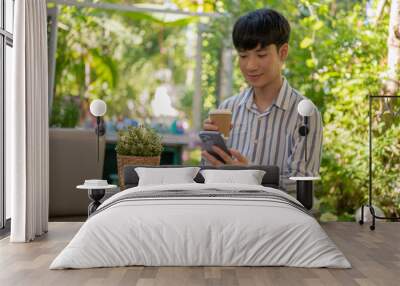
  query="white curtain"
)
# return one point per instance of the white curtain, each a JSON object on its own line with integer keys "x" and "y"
{"x": 27, "y": 124}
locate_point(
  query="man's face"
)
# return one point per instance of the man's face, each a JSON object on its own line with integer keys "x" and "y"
{"x": 261, "y": 66}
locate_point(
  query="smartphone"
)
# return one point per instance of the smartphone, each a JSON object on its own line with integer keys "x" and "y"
{"x": 210, "y": 138}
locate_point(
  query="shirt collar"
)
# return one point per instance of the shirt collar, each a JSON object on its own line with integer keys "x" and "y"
{"x": 282, "y": 101}
{"x": 247, "y": 96}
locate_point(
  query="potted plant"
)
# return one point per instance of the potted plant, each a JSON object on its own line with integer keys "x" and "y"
{"x": 137, "y": 146}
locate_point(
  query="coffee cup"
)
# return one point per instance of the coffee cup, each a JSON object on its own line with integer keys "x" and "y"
{"x": 221, "y": 118}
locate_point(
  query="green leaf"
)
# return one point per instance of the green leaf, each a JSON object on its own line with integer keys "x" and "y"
{"x": 310, "y": 63}
{"x": 318, "y": 25}
{"x": 306, "y": 42}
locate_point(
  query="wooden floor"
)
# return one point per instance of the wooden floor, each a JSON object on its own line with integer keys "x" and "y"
{"x": 375, "y": 257}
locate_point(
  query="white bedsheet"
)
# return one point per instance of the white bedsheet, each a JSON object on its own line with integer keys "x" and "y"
{"x": 200, "y": 231}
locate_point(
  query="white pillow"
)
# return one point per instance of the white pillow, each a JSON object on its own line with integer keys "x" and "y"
{"x": 249, "y": 177}
{"x": 165, "y": 176}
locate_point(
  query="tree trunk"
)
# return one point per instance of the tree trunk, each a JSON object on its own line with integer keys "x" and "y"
{"x": 392, "y": 83}
{"x": 225, "y": 74}
{"x": 379, "y": 10}
{"x": 197, "y": 99}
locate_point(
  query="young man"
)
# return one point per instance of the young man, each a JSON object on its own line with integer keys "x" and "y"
{"x": 265, "y": 121}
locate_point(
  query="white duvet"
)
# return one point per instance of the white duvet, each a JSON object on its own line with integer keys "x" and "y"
{"x": 200, "y": 231}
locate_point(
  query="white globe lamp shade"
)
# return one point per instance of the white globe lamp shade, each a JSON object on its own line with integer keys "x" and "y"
{"x": 305, "y": 107}
{"x": 98, "y": 107}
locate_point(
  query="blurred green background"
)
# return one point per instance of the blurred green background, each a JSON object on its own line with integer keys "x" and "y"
{"x": 338, "y": 56}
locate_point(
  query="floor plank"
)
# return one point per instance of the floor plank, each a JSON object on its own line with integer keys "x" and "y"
{"x": 374, "y": 255}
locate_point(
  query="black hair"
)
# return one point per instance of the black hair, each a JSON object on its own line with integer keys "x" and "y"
{"x": 263, "y": 26}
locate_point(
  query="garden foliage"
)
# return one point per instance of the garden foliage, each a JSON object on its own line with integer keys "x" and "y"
{"x": 337, "y": 58}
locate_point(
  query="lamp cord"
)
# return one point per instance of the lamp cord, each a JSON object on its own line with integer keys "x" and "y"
{"x": 98, "y": 137}
{"x": 305, "y": 137}
{"x": 305, "y": 149}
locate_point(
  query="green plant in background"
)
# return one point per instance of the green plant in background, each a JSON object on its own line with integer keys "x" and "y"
{"x": 116, "y": 55}
{"x": 193, "y": 157}
{"x": 65, "y": 113}
{"x": 337, "y": 56}
{"x": 139, "y": 141}
{"x": 344, "y": 68}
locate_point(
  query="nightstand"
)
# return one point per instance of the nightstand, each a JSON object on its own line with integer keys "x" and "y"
{"x": 304, "y": 190}
{"x": 95, "y": 192}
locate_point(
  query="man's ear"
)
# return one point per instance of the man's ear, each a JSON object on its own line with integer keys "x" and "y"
{"x": 283, "y": 52}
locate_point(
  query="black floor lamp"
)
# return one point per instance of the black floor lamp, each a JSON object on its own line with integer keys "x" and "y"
{"x": 305, "y": 185}
{"x": 98, "y": 108}
{"x": 371, "y": 208}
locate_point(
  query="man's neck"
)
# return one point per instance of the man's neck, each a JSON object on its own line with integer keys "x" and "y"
{"x": 265, "y": 96}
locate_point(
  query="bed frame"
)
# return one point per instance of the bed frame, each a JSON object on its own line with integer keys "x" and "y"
{"x": 270, "y": 179}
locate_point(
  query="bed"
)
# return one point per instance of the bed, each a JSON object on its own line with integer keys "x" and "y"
{"x": 198, "y": 224}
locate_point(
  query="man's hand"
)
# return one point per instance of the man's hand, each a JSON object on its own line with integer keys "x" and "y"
{"x": 208, "y": 125}
{"x": 238, "y": 158}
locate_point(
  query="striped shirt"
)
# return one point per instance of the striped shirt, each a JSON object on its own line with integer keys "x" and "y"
{"x": 272, "y": 137}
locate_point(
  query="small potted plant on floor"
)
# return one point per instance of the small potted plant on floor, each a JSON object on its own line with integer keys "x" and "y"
{"x": 137, "y": 146}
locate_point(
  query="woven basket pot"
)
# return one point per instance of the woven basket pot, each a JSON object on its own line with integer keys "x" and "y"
{"x": 123, "y": 161}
